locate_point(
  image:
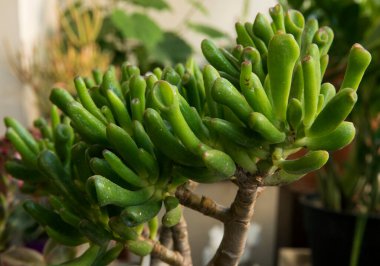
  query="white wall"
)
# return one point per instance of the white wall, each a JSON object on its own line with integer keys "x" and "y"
{"x": 22, "y": 24}
{"x": 10, "y": 89}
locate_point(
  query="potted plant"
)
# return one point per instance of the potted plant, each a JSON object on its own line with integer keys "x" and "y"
{"x": 349, "y": 184}
{"x": 22, "y": 240}
{"x": 124, "y": 148}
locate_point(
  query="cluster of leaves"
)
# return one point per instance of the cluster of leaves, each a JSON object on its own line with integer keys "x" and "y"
{"x": 353, "y": 184}
{"x": 352, "y": 21}
{"x": 16, "y": 227}
{"x": 121, "y": 147}
{"x": 21, "y": 237}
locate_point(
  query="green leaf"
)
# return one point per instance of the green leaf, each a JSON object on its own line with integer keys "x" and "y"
{"x": 137, "y": 26}
{"x": 372, "y": 40}
{"x": 199, "y": 6}
{"x": 156, "y": 4}
{"x": 146, "y": 30}
{"x": 173, "y": 47}
{"x": 122, "y": 23}
{"x": 206, "y": 30}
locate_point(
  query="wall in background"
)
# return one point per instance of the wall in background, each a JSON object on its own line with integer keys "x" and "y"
{"x": 22, "y": 24}
{"x": 10, "y": 89}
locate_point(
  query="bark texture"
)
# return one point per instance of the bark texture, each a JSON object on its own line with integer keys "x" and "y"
{"x": 238, "y": 221}
{"x": 181, "y": 241}
{"x": 166, "y": 255}
{"x": 165, "y": 240}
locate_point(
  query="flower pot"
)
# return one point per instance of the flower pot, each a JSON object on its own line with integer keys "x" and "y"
{"x": 331, "y": 233}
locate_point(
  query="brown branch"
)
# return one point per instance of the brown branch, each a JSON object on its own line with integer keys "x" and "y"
{"x": 181, "y": 241}
{"x": 166, "y": 255}
{"x": 165, "y": 240}
{"x": 166, "y": 237}
{"x": 237, "y": 224}
{"x": 191, "y": 185}
{"x": 202, "y": 204}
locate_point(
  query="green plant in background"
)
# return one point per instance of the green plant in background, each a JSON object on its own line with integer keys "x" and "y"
{"x": 90, "y": 35}
{"x": 135, "y": 36}
{"x": 124, "y": 148}
{"x": 71, "y": 52}
{"x": 22, "y": 239}
{"x": 16, "y": 227}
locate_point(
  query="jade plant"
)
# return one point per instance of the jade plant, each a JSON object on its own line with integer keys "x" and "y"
{"x": 122, "y": 149}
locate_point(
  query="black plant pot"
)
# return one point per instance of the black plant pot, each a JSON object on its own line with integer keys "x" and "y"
{"x": 331, "y": 233}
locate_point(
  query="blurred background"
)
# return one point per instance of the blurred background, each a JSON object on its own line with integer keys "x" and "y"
{"x": 35, "y": 32}
{"x": 45, "y": 43}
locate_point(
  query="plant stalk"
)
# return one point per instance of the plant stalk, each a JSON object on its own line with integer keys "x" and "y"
{"x": 201, "y": 204}
{"x": 237, "y": 223}
{"x": 166, "y": 240}
{"x": 181, "y": 241}
{"x": 166, "y": 255}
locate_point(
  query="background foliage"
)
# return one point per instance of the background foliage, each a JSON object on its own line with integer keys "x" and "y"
{"x": 97, "y": 35}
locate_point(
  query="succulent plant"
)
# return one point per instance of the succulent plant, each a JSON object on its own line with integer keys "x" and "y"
{"x": 351, "y": 185}
{"x": 123, "y": 148}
